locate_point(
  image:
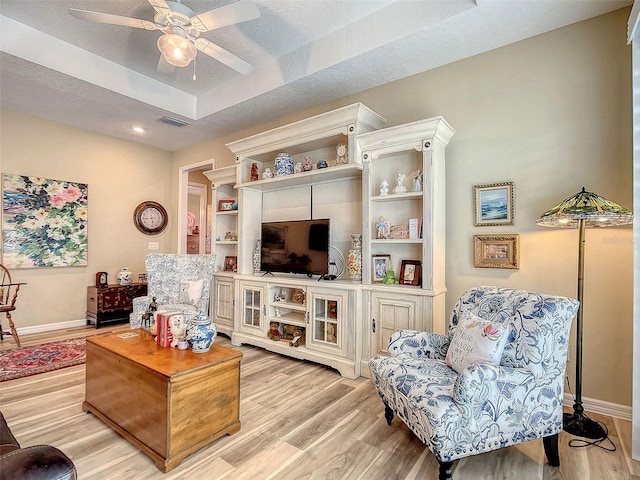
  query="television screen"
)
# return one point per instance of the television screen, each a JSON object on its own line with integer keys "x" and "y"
{"x": 300, "y": 246}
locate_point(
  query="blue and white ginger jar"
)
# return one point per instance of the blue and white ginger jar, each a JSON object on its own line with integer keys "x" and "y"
{"x": 201, "y": 333}
{"x": 284, "y": 165}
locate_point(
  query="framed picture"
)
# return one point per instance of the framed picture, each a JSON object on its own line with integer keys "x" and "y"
{"x": 496, "y": 251}
{"x": 379, "y": 266}
{"x": 230, "y": 263}
{"x": 493, "y": 204}
{"x": 410, "y": 272}
{"x": 225, "y": 205}
{"x": 44, "y": 222}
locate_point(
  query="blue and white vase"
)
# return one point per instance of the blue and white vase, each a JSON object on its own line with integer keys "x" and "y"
{"x": 201, "y": 333}
{"x": 284, "y": 165}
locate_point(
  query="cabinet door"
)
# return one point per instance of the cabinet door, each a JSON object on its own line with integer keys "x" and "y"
{"x": 251, "y": 309}
{"x": 390, "y": 313}
{"x": 327, "y": 321}
{"x": 223, "y": 301}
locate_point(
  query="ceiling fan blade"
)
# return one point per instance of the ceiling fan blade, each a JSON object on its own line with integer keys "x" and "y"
{"x": 222, "y": 55}
{"x": 164, "y": 66}
{"x": 160, "y": 6}
{"x": 113, "y": 19}
{"x": 237, "y": 12}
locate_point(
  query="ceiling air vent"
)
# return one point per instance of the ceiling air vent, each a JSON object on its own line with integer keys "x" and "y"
{"x": 173, "y": 121}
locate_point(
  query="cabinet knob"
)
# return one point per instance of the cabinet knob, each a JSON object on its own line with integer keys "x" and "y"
{"x": 373, "y": 325}
{"x": 91, "y": 299}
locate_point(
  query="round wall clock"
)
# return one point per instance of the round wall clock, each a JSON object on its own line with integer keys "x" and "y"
{"x": 150, "y": 218}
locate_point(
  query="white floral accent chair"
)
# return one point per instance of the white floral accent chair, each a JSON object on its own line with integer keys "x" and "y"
{"x": 484, "y": 406}
{"x": 180, "y": 282}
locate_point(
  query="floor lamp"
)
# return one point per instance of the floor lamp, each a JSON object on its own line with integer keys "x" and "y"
{"x": 584, "y": 209}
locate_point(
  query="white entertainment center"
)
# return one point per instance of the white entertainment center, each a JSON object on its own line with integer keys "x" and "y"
{"x": 342, "y": 323}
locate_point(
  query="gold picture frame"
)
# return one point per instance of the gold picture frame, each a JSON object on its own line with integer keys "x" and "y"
{"x": 493, "y": 204}
{"x": 496, "y": 251}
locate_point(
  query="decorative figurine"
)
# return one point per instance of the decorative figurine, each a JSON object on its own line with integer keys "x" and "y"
{"x": 298, "y": 337}
{"x": 178, "y": 327}
{"x": 389, "y": 278}
{"x": 297, "y": 168}
{"x": 384, "y": 188}
{"x": 383, "y": 228}
{"x": 273, "y": 333}
{"x": 267, "y": 173}
{"x": 341, "y": 151}
{"x": 254, "y": 172}
{"x": 307, "y": 166}
{"x": 417, "y": 182}
{"x": 321, "y": 164}
{"x": 400, "y": 188}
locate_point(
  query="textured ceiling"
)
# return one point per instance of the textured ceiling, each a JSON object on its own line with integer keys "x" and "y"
{"x": 104, "y": 78}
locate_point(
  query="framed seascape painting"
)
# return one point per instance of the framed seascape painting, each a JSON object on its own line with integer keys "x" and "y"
{"x": 493, "y": 204}
{"x": 44, "y": 222}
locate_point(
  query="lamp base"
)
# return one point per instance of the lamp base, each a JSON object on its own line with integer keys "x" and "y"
{"x": 578, "y": 424}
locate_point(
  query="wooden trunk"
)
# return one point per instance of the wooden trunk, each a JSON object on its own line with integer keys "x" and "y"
{"x": 168, "y": 402}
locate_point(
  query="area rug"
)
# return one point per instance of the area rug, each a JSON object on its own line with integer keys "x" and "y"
{"x": 46, "y": 357}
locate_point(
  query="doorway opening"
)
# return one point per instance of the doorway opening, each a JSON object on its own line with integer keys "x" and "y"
{"x": 194, "y": 189}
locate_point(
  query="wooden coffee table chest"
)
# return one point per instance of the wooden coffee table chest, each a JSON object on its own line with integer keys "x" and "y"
{"x": 168, "y": 402}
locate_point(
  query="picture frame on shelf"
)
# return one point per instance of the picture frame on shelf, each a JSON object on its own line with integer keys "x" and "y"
{"x": 230, "y": 263}
{"x": 379, "y": 266}
{"x": 225, "y": 205}
{"x": 410, "y": 272}
{"x": 496, "y": 251}
{"x": 493, "y": 204}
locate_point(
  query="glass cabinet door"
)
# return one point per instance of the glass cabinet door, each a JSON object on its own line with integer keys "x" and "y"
{"x": 327, "y": 319}
{"x": 252, "y": 306}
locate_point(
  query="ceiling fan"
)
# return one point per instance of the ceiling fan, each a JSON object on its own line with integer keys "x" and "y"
{"x": 181, "y": 29}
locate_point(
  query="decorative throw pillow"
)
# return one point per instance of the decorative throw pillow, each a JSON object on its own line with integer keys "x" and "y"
{"x": 476, "y": 341}
{"x": 190, "y": 291}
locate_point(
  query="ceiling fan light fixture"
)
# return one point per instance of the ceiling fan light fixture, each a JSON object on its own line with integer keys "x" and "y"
{"x": 176, "y": 49}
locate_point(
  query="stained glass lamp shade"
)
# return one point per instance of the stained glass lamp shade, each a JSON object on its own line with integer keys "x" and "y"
{"x": 584, "y": 209}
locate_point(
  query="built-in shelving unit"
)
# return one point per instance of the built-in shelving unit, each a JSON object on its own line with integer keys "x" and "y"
{"x": 343, "y": 323}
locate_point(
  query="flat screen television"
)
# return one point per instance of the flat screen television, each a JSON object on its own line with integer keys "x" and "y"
{"x": 299, "y": 246}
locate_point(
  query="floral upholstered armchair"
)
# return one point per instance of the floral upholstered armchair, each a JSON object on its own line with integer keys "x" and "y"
{"x": 180, "y": 282}
{"x": 496, "y": 379}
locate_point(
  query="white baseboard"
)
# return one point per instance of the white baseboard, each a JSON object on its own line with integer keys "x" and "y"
{"x": 51, "y": 326}
{"x": 600, "y": 406}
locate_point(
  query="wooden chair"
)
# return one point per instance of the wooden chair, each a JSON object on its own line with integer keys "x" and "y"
{"x": 8, "y": 295}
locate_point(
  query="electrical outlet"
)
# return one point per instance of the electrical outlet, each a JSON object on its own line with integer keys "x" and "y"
{"x": 153, "y": 245}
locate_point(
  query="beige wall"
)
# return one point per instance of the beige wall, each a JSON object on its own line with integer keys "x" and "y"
{"x": 551, "y": 114}
{"x": 120, "y": 175}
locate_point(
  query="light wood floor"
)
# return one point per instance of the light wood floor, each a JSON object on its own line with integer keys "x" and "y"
{"x": 299, "y": 421}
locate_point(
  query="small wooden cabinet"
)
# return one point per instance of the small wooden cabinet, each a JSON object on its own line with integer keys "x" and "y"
{"x": 193, "y": 243}
{"x": 112, "y": 303}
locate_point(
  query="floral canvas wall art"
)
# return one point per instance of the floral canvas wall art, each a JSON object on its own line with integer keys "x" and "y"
{"x": 44, "y": 222}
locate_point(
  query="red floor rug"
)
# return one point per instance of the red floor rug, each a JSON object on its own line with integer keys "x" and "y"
{"x": 26, "y": 361}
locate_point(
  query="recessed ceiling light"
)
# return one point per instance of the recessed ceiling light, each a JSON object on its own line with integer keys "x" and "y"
{"x": 138, "y": 129}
